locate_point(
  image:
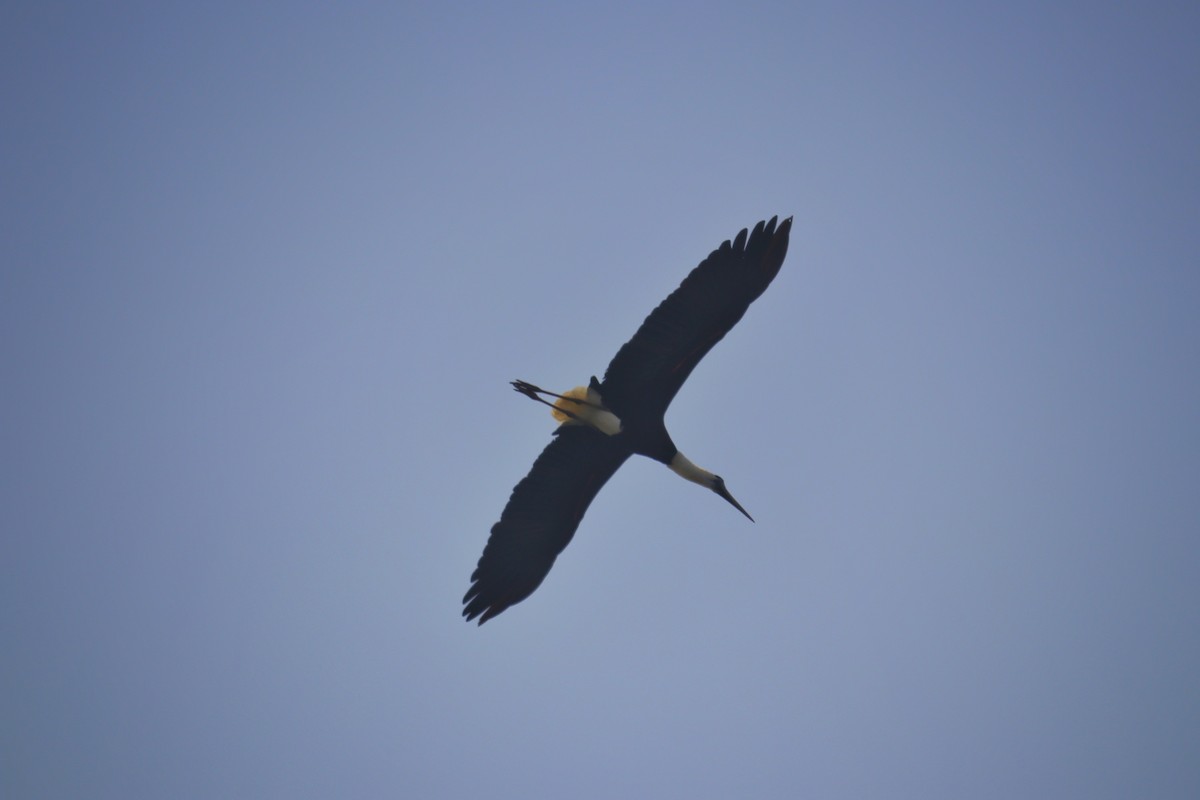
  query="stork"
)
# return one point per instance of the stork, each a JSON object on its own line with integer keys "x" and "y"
{"x": 607, "y": 421}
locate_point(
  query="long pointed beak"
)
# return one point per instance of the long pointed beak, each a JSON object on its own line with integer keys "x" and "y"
{"x": 721, "y": 490}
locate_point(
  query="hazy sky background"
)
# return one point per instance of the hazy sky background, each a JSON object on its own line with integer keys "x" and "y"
{"x": 266, "y": 272}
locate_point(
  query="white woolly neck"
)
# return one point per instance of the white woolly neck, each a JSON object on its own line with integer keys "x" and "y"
{"x": 682, "y": 466}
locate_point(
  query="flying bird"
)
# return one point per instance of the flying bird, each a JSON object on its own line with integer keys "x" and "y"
{"x": 607, "y": 421}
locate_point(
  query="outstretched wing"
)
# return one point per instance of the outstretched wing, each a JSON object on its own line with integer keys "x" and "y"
{"x": 649, "y": 369}
{"x": 541, "y": 517}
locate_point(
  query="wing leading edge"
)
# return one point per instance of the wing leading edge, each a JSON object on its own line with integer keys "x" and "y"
{"x": 648, "y": 370}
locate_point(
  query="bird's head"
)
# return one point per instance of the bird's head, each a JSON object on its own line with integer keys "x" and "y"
{"x": 682, "y": 466}
{"x": 718, "y": 486}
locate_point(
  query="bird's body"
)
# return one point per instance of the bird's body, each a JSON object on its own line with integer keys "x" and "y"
{"x": 606, "y": 422}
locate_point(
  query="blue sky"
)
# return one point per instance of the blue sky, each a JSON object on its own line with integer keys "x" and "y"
{"x": 267, "y": 271}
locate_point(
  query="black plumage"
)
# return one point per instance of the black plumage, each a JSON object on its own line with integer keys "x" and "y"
{"x": 546, "y": 507}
